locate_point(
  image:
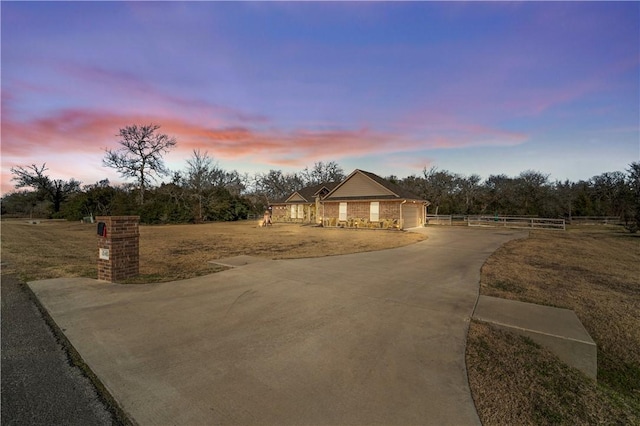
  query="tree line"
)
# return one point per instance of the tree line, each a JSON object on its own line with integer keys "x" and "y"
{"x": 203, "y": 191}
{"x": 531, "y": 193}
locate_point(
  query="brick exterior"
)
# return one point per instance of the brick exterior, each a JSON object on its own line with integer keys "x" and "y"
{"x": 282, "y": 213}
{"x": 123, "y": 242}
{"x": 358, "y": 214}
{"x": 358, "y": 190}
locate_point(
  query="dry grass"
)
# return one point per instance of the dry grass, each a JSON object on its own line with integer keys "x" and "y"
{"x": 594, "y": 272}
{"x": 53, "y": 249}
{"x": 517, "y": 382}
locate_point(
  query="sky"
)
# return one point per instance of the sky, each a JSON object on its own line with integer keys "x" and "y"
{"x": 474, "y": 88}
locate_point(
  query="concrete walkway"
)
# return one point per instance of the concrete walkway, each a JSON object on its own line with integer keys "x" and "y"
{"x": 369, "y": 338}
{"x": 558, "y": 329}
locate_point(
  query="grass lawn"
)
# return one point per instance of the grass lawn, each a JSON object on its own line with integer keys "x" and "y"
{"x": 53, "y": 249}
{"x": 596, "y": 273}
{"x": 593, "y": 271}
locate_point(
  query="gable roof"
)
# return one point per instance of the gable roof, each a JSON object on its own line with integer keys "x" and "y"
{"x": 309, "y": 193}
{"x": 363, "y": 185}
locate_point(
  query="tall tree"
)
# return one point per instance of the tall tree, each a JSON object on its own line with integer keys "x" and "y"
{"x": 565, "y": 195}
{"x": 469, "y": 192}
{"x": 499, "y": 193}
{"x": 439, "y": 188}
{"x": 202, "y": 174}
{"x": 531, "y": 191}
{"x": 140, "y": 154}
{"x": 235, "y": 182}
{"x": 632, "y": 213}
{"x": 610, "y": 190}
{"x": 276, "y": 185}
{"x": 54, "y": 190}
{"x": 322, "y": 173}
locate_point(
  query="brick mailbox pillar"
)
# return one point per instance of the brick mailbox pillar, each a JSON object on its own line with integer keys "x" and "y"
{"x": 118, "y": 247}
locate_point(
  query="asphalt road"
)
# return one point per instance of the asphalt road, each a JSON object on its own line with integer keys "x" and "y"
{"x": 40, "y": 385}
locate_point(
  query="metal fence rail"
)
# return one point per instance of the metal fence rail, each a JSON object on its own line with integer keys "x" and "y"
{"x": 595, "y": 220}
{"x": 517, "y": 222}
{"x": 438, "y": 219}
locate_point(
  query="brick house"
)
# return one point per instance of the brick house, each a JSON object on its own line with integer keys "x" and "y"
{"x": 365, "y": 200}
{"x": 303, "y": 205}
{"x": 361, "y": 200}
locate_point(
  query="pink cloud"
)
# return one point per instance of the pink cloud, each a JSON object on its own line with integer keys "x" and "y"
{"x": 5, "y": 179}
{"x": 74, "y": 132}
{"x": 86, "y": 131}
{"x": 122, "y": 91}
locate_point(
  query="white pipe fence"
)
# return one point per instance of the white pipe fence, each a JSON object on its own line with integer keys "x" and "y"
{"x": 595, "y": 220}
{"x": 438, "y": 219}
{"x": 517, "y": 222}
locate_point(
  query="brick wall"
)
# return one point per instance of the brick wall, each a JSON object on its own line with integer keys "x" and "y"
{"x": 123, "y": 242}
{"x": 389, "y": 210}
{"x": 282, "y": 213}
{"x": 358, "y": 214}
{"x": 330, "y": 210}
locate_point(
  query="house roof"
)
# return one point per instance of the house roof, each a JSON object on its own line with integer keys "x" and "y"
{"x": 385, "y": 190}
{"x": 308, "y": 194}
{"x": 377, "y": 188}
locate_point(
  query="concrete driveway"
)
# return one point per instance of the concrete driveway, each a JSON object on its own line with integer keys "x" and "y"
{"x": 369, "y": 338}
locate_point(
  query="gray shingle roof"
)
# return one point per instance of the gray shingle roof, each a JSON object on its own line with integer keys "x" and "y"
{"x": 399, "y": 193}
{"x": 308, "y": 193}
{"x": 396, "y": 189}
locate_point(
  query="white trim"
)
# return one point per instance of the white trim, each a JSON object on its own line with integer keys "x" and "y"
{"x": 342, "y": 211}
{"x": 374, "y": 211}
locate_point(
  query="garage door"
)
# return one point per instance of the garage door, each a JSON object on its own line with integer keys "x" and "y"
{"x": 410, "y": 215}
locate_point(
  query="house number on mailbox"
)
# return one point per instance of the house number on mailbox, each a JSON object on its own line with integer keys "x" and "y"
{"x": 104, "y": 254}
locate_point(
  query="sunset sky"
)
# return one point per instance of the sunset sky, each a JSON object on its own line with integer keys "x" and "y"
{"x": 391, "y": 88}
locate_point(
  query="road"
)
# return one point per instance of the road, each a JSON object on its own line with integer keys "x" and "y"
{"x": 40, "y": 386}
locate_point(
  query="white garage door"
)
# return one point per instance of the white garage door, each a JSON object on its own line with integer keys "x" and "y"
{"x": 410, "y": 215}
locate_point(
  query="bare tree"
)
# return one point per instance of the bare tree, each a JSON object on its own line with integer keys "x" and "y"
{"x": 469, "y": 191}
{"x": 439, "y": 186}
{"x": 201, "y": 175}
{"x": 322, "y": 173}
{"x": 531, "y": 190}
{"x": 54, "y": 190}
{"x": 631, "y": 215}
{"x": 276, "y": 185}
{"x": 140, "y": 154}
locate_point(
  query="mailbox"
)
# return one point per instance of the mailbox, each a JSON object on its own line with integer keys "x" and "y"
{"x": 102, "y": 229}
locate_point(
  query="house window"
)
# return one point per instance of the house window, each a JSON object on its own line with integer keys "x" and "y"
{"x": 294, "y": 211}
{"x": 374, "y": 211}
{"x": 300, "y": 211}
{"x": 342, "y": 211}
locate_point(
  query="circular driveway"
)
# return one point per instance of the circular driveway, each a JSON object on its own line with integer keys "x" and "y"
{"x": 367, "y": 338}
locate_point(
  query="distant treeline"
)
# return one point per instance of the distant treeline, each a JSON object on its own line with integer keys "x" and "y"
{"x": 205, "y": 192}
{"x": 531, "y": 193}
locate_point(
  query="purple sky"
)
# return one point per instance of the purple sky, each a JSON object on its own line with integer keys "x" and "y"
{"x": 484, "y": 88}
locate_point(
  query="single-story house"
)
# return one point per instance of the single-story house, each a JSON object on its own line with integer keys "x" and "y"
{"x": 361, "y": 200}
{"x": 365, "y": 200}
{"x": 301, "y": 206}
